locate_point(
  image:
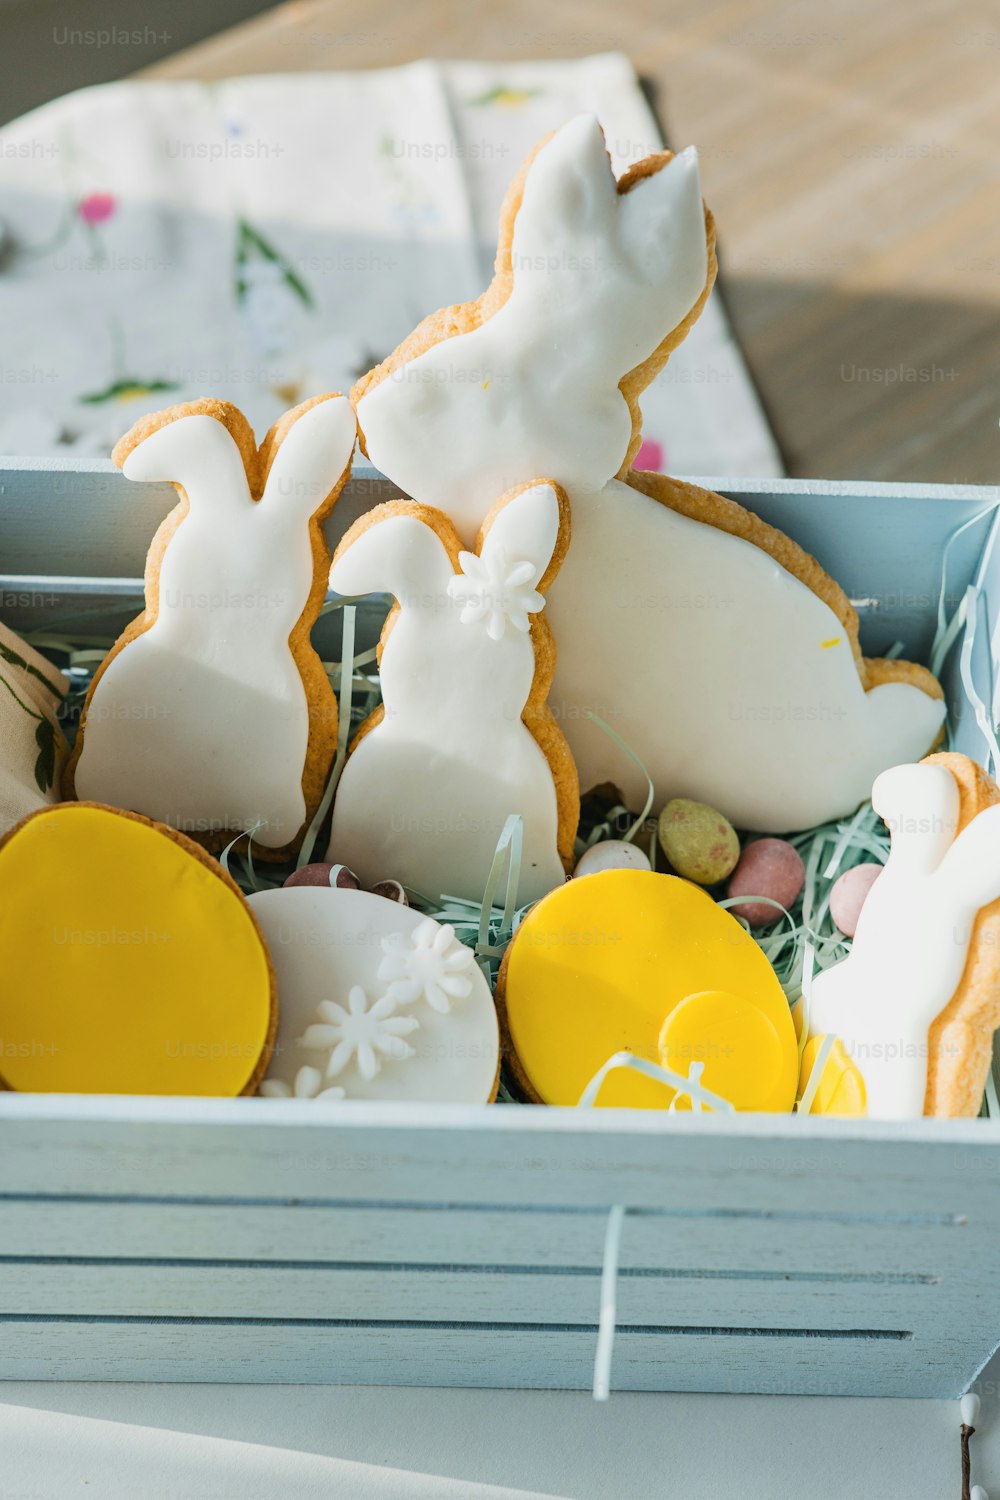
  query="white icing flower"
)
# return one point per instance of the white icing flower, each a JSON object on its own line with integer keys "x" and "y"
{"x": 429, "y": 962}
{"x": 369, "y": 1034}
{"x": 308, "y": 1085}
{"x": 493, "y": 589}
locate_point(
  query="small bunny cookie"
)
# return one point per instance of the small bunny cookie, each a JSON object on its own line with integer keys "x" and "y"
{"x": 741, "y": 652}
{"x": 212, "y": 712}
{"x": 917, "y": 1000}
{"x": 463, "y": 738}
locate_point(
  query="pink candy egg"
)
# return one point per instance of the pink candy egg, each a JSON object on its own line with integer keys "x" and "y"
{"x": 849, "y": 894}
{"x": 612, "y": 854}
{"x": 767, "y": 867}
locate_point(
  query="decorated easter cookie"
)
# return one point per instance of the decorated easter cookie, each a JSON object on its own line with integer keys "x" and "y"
{"x": 628, "y": 960}
{"x": 916, "y": 1002}
{"x": 212, "y": 712}
{"x": 745, "y": 686}
{"x": 32, "y": 748}
{"x": 377, "y": 1002}
{"x": 463, "y": 738}
{"x": 131, "y": 963}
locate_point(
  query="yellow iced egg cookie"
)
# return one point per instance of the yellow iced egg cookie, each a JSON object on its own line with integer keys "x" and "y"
{"x": 743, "y": 1054}
{"x": 129, "y": 961}
{"x": 841, "y": 1088}
{"x": 628, "y": 960}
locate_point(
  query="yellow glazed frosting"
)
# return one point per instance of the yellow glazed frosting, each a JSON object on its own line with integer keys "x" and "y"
{"x": 841, "y": 1088}
{"x": 603, "y": 964}
{"x": 128, "y": 963}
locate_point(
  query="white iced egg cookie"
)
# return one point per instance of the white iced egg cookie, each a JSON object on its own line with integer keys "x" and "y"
{"x": 376, "y": 1001}
{"x": 741, "y": 651}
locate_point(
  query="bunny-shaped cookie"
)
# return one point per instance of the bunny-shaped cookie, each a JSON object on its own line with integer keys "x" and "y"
{"x": 463, "y": 738}
{"x": 720, "y": 652}
{"x": 212, "y": 712}
{"x": 917, "y": 1000}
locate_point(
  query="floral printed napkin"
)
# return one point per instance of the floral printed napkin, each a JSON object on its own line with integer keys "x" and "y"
{"x": 31, "y": 743}
{"x": 262, "y": 239}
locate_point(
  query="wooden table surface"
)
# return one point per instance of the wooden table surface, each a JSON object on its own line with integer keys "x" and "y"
{"x": 850, "y": 153}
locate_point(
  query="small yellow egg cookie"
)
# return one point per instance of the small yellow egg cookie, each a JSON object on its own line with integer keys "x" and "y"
{"x": 629, "y": 960}
{"x": 129, "y": 961}
{"x": 841, "y": 1088}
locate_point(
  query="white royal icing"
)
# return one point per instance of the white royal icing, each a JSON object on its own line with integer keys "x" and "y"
{"x": 202, "y": 721}
{"x": 426, "y": 792}
{"x": 360, "y": 983}
{"x": 912, "y": 941}
{"x": 731, "y": 681}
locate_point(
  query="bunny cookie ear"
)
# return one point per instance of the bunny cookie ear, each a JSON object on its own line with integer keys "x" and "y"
{"x": 919, "y": 805}
{"x": 205, "y": 448}
{"x": 399, "y": 548}
{"x": 306, "y": 455}
{"x": 531, "y": 525}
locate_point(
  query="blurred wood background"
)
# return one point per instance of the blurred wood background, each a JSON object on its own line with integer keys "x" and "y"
{"x": 850, "y": 155}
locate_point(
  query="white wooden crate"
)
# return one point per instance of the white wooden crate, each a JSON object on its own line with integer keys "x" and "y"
{"x": 260, "y": 1240}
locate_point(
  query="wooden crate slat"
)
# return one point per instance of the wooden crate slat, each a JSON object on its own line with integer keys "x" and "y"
{"x": 545, "y": 1157}
{"x": 522, "y": 1357}
{"x": 485, "y": 1235}
{"x": 489, "y": 1295}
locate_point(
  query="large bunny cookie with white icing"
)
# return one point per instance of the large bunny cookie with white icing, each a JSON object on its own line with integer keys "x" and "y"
{"x": 463, "y": 738}
{"x": 715, "y": 647}
{"x": 377, "y": 1002}
{"x": 213, "y": 713}
{"x": 916, "y": 1002}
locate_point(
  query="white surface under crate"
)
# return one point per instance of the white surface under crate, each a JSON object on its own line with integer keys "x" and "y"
{"x": 259, "y": 1240}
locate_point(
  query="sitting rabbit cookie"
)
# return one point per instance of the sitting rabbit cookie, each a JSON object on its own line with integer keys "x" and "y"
{"x": 745, "y": 687}
{"x": 916, "y": 1002}
{"x": 212, "y": 712}
{"x": 463, "y": 738}
{"x": 32, "y": 747}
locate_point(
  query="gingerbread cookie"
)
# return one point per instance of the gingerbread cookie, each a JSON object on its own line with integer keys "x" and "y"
{"x": 745, "y": 687}
{"x": 632, "y": 961}
{"x": 916, "y": 1002}
{"x": 131, "y": 962}
{"x": 377, "y": 1002}
{"x": 463, "y": 738}
{"x": 212, "y": 712}
{"x": 32, "y": 747}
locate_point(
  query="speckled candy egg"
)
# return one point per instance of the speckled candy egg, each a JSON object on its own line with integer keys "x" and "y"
{"x": 612, "y": 854}
{"x": 849, "y": 894}
{"x": 699, "y": 842}
{"x": 767, "y": 867}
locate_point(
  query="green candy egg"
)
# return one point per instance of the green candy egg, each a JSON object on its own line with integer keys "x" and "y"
{"x": 698, "y": 841}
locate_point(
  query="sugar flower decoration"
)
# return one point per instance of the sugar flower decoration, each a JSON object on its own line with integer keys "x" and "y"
{"x": 308, "y": 1085}
{"x": 428, "y": 963}
{"x": 367, "y": 1033}
{"x": 495, "y": 590}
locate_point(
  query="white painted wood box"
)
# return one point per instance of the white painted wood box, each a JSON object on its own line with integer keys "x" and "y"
{"x": 260, "y": 1240}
